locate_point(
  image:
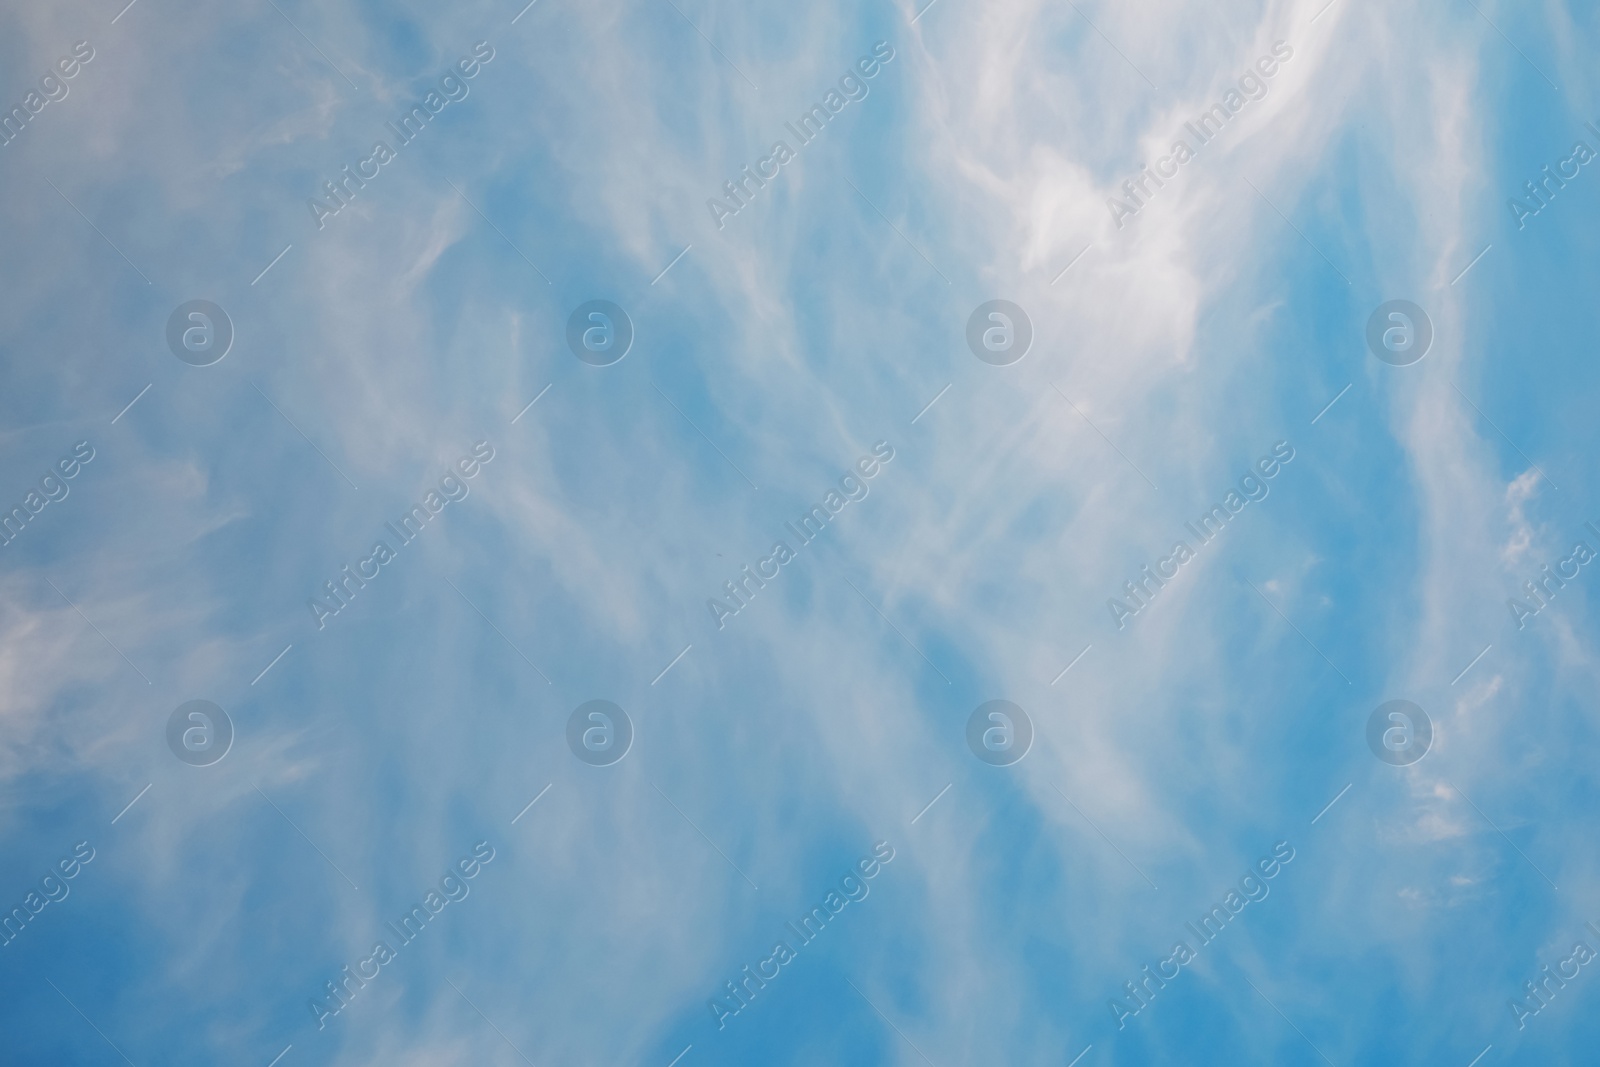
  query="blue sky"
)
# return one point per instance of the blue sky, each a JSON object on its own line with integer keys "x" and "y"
{"x": 373, "y": 754}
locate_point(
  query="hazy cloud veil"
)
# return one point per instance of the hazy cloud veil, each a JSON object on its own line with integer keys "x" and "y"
{"x": 672, "y": 532}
